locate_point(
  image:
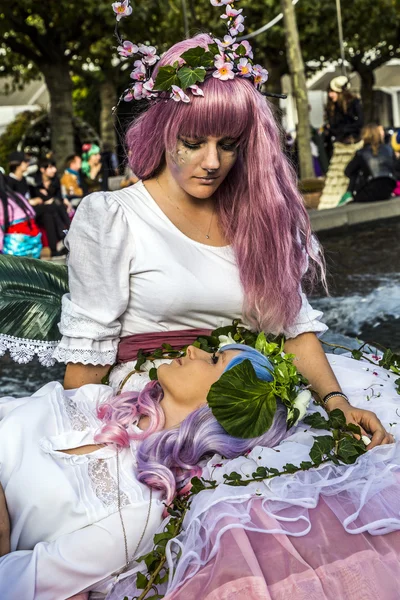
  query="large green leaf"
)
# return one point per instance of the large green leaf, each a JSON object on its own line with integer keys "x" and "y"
{"x": 166, "y": 78}
{"x": 198, "y": 57}
{"x": 30, "y": 297}
{"x": 189, "y": 76}
{"x": 243, "y": 404}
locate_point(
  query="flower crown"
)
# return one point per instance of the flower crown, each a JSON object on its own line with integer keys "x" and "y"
{"x": 224, "y": 59}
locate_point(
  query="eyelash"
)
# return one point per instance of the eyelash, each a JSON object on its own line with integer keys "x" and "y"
{"x": 214, "y": 358}
{"x": 226, "y": 147}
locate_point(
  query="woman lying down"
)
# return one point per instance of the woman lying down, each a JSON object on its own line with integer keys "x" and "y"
{"x": 86, "y": 476}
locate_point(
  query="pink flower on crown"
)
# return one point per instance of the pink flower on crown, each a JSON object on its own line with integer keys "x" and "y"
{"x": 178, "y": 94}
{"x": 245, "y": 68}
{"x": 238, "y": 26}
{"x": 223, "y": 69}
{"x": 148, "y": 89}
{"x": 228, "y": 41}
{"x": 231, "y": 13}
{"x": 221, "y": 2}
{"x": 122, "y": 9}
{"x": 138, "y": 74}
{"x": 127, "y": 49}
{"x": 149, "y": 54}
{"x": 128, "y": 96}
{"x": 196, "y": 91}
{"x": 260, "y": 75}
{"x": 138, "y": 90}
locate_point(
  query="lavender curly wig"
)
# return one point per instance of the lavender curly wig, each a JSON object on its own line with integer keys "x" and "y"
{"x": 260, "y": 209}
{"x": 168, "y": 459}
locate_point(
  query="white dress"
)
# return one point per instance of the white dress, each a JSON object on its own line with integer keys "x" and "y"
{"x": 66, "y": 528}
{"x": 131, "y": 271}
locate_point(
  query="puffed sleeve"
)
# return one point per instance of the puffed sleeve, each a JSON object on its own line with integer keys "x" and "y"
{"x": 77, "y": 561}
{"x": 99, "y": 265}
{"x": 308, "y": 320}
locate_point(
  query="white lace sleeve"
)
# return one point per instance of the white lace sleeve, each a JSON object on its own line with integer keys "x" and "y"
{"x": 99, "y": 265}
{"x": 308, "y": 320}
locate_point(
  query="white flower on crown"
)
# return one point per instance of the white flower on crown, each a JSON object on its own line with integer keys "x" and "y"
{"x": 127, "y": 49}
{"x": 231, "y": 13}
{"x": 149, "y": 54}
{"x": 260, "y": 75}
{"x": 196, "y": 91}
{"x": 122, "y": 9}
{"x": 301, "y": 403}
{"x": 228, "y": 41}
{"x": 221, "y": 2}
{"x": 224, "y": 340}
{"x": 245, "y": 68}
{"x": 178, "y": 94}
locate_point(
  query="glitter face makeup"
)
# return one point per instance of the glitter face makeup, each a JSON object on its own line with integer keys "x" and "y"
{"x": 200, "y": 165}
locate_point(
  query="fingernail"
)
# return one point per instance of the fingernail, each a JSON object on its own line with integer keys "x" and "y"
{"x": 366, "y": 440}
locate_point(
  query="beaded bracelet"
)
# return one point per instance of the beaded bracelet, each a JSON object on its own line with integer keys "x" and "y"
{"x": 332, "y": 394}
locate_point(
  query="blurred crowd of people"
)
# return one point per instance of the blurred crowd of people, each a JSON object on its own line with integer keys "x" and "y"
{"x": 358, "y": 162}
{"x": 38, "y": 201}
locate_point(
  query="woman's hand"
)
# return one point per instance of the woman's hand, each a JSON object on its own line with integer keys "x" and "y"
{"x": 4, "y": 525}
{"x": 368, "y": 422}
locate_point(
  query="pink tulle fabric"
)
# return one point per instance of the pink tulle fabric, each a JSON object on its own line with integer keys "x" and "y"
{"x": 328, "y": 563}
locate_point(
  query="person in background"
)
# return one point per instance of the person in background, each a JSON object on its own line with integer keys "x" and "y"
{"x": 19, "y": 234}
{"x": 344, "y": 123}
{"x": 18, "y": 163}
{"x": 92, "y": 169}
{"x": 395, "y": 142}
{"x": 51, "y": 215}
{"x": 71, "y": 186}
{"x": 109, "y": 163}
{"x": 371, "y": 171}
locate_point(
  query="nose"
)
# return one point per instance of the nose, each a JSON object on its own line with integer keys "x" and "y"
{"x": 211, "y": 160}
{"x": 194, "y": 353}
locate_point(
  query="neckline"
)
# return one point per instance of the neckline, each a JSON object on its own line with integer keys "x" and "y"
{"x": 171, "y": 224}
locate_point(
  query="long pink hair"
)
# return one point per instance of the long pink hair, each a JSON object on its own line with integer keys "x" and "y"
{"x": 260, "y": 209}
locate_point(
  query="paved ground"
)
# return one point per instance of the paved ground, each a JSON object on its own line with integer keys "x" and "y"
{"x": 354, "y": 213}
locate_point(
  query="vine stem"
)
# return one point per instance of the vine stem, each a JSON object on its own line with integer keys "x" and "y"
{"x": 163, "y": 559}
{"x": 349, "y": 350}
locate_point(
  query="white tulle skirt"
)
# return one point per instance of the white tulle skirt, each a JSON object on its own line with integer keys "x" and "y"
{"x": 327, "y": 533}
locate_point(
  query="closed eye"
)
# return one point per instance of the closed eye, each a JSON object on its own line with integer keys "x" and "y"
{"x": 214, "y": 358}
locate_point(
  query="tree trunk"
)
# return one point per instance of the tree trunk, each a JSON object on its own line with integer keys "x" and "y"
{"x": 108, "y": 99}
{"x": 367, "y": 94}
{"x": 59, "y": 84}
{"x": 297, "y": 74}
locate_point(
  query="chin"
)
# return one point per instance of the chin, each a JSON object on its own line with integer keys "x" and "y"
{"x": 202, "y": 190}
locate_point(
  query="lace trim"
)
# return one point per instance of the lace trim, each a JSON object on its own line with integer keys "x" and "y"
{"x": 23, "y": 351}
{"x": 104, "y": 486}
{"x": 71, "y": 324}
{"x": 78, "y": 420}
{"x": 86, "y": 357}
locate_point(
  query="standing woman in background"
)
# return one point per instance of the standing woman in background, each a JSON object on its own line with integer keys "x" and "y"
{"x": 345, "y": 121}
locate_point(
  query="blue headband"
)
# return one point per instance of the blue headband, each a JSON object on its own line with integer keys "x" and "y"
{"x": 260, "y": 363}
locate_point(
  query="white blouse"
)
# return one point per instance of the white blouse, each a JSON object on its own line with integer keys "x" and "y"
{"x": 66, "y": 533}
{"x": 132, "y": 271}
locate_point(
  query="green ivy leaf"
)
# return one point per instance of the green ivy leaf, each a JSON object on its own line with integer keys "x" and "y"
{"x": 140, "y": 360}
{"x": 317, "y": 421}
{"x": 197, "y": 485}
{"x": 357, "y": 354}
{"x": 198, "y": 57}
{"x": 141, "y": 581}
{"x": 322, "y": 446}
{"x": 289, "y": 468}
{"x": 305, "y": 465}
{"x": 189, "y": 76}
{"x": 153, "y": 374}
{"x": 337, "y": 420}
{"x": 214, "y": 49}
{"x": 243, "y": 411}
{"x": 353, "y": 428}
{"x": 166, "y": 78}
{"x": 349, "y": 449}
{"x": 241, "y": 50}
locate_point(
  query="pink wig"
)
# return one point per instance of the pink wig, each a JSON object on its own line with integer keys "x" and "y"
{"x": 260, "y": 209}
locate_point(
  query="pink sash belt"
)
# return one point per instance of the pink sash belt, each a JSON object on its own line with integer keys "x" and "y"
{"x": 130, "y": 345}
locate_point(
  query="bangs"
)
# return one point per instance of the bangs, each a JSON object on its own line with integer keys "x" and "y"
{"x": 225, "y": 110}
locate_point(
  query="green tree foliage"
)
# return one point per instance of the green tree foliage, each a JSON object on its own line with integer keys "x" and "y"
{"x": 15, "y": 130}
